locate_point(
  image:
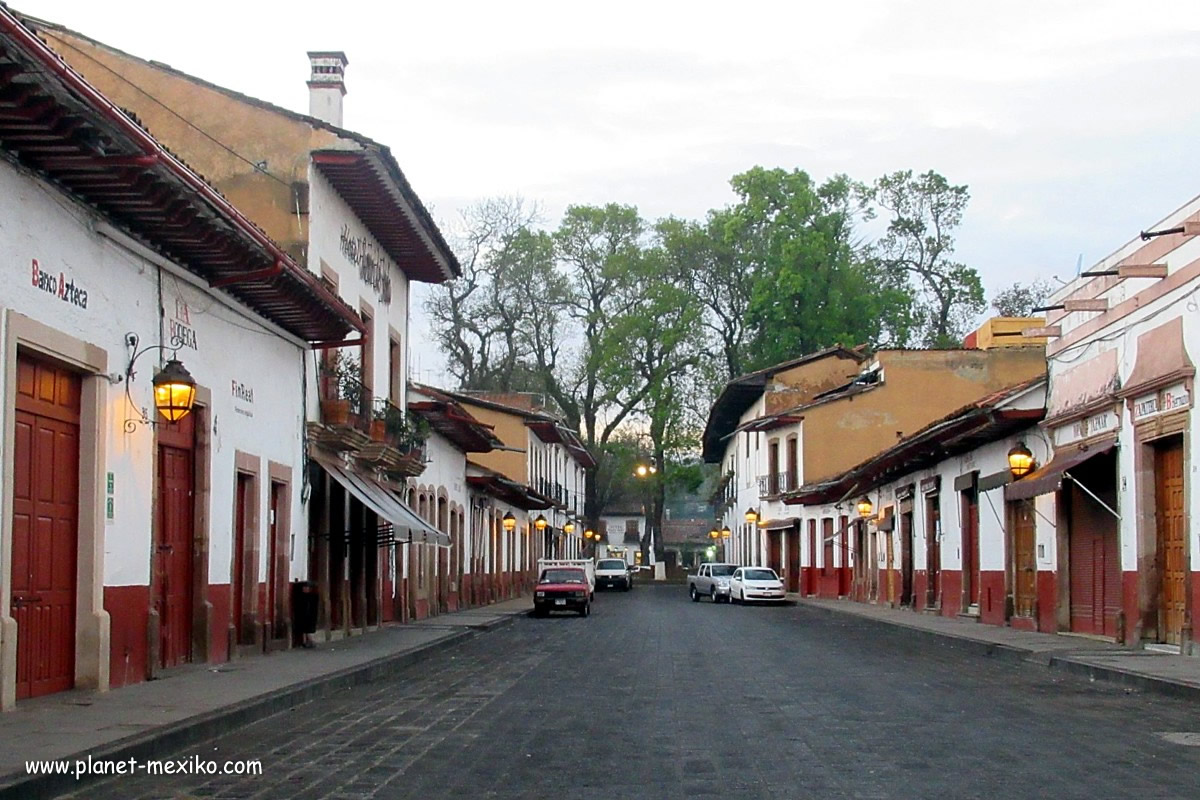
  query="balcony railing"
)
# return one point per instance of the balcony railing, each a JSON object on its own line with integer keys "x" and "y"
{"x": 345, "y": 401}
{"x": 772, "y": 484}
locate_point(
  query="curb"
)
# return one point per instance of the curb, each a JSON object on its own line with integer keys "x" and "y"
{"x": 1048, "y": 659}
{"x": 165, "y": 739}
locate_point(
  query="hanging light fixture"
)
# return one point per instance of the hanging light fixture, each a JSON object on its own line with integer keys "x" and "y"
{"x": 751, "y": 515}
{"x": 725, "y": 532}
{"x": 509, "y": 522}
{"x": 589, "y": 533}
{"x": 540, "y": 523}
{"x": 1020, "y": 461}
{"x": 569, "y": 527}
{"x": 174, "y": 391}
{"x": 864, "y": 507}
{"x": 714, "y": 534}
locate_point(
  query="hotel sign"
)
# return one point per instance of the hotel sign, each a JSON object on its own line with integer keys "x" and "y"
{"x": 1170, "y": 399}
{"x": 1104, "y": 422}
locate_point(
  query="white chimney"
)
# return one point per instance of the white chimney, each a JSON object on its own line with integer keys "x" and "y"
{"x": 327, "y": 85}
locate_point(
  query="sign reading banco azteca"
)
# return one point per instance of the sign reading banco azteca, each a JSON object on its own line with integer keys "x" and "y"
{"x": 1104, "y": 422}
{"x": 374, "y": 267}
{"x": 1169, "y": 399}
{"x": 59, "y": 286}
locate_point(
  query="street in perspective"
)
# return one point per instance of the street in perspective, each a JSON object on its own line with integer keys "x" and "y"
{"x": 654, "y": 696}
{"x": 525, "y": 400}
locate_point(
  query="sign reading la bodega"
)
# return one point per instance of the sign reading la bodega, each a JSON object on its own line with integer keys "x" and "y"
{"x": 374, "y": 267}
{"x": 59, "y": 285}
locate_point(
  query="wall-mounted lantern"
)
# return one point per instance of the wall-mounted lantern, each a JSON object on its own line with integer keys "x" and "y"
{"x": 1020, "y": 461}
{"x": 864, "y": 507}
{"x": 540, "y": 523}
{"x": 509, "y": 522}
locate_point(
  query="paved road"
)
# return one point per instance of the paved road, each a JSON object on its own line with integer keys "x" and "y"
{"x": 657, "y": 697}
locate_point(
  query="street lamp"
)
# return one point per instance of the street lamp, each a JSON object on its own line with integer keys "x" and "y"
{"x": 569, "y": 527}
{"x": 725, "y": 532}
{"x": 509, "y": 522}
{"x": 751, "y": 516}
{"x": 1020, "y": 461}
{"x": 540, "y": 523}
{"x": 864, "y": 507}
{"x": 174, "y": 391}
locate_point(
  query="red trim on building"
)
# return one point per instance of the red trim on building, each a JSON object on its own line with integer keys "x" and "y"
{"x": 128, "y": 609}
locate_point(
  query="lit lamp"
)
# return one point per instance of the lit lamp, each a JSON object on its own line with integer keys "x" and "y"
{"x": 714, "y": 534}
{"x": 174, "y": 391}
{"x": 509, "y": 522}
{"x": 725, "y": 532}
{"x": 864, "y": 507}
{"x": 1020, "y": 461}
{"x": 569, "y": 527}
{"x": 641, "y": 470}
{"x": 751, "y": 516}
{"x": 540, "y": 523}
{"x": 589, "y": 533}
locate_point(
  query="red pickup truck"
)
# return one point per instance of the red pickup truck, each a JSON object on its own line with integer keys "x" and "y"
{"x": 562, "y": 589}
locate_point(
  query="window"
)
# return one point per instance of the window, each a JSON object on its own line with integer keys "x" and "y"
{"x": 773, "y": 467}
{"x": 396, "y": 369}
{"x": 793, "y": 464}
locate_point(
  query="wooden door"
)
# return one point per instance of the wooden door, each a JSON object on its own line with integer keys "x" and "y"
{"x": 1024, "y": 561}
{"x": 45, "y": 520}
{"x": 1095, "y": 579}
{"x": 812, "y": 556}
{"x": 277, "y": 561}
{"x": 970, "y": 545}
{"x": 793, "y": 558}
{"x": 933, "y": 550}
{"x": 891, "y": 569}
{"x": 174, "y": 557}
{"x": 906, "y": 559}
{"x": 775, "y": 550}
{"x": 1172, "y": 539}
{"x": 241, "y": 577}
{"x": 873, "y": 568}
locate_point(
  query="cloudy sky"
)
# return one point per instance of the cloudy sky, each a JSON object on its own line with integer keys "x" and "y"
{"x": 1074, "y": 124}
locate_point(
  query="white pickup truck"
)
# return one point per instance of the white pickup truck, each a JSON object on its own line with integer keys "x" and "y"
{"x": 586, "y": 564}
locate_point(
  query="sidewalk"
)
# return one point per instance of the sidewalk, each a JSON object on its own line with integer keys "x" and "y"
{"x": 1146, "y": 670}
{"x": 193, "y": 703}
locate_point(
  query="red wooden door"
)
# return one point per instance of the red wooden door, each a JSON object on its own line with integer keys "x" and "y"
{"x": 793, "y": 558}
{"x": 812, "y": 556}
{"x": 45, "y": 526}
{"x": 1172, "y": 538}
{"x": 277, "y": 561}
{"x": 174, "y": 571}
{"x": 775, "y": 550}
{"x": 1095, "y": 567}
{"x": 933, "y": 550}
{"x": 241, "y": 563}
{"x": 828, "y": 573}
{"x": 970, "y": 536}
{"x": 906, "y": 559}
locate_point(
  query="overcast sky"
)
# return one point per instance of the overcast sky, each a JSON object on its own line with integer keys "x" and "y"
{"x": 1075, "y": 124}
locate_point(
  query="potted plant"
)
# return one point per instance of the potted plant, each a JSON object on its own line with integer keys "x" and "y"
{"x": 342, "y": 389}
{"x": 379, "y": 420}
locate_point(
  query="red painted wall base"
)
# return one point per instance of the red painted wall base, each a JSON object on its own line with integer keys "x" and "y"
{"x": 128, "y": 608}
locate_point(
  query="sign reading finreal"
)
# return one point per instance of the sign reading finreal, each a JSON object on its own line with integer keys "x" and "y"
{"x": 243, "y": 396}
{"x": 59, "y": 286}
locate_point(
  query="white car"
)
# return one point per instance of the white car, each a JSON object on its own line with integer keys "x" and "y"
{"x": 749, "y": 584}
{"x": 614, "y": 573}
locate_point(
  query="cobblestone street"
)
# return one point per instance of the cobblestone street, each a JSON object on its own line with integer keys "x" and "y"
{"x": 654, "y": 696}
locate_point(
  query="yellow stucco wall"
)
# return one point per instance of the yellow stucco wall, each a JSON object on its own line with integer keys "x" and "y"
{"x": 511, "y": 430}
{"x": 920, "y": 386}
{"x": 801, "y": 383}
{"x": 163, "y": 99}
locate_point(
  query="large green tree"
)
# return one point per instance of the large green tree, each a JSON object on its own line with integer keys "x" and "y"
{"x": 923, "y": 212}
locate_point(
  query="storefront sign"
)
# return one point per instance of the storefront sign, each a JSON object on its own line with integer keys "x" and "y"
{"x": 243, "y": 397}
{"x": 59, "y": 285}
{"x": 1170, "y": 399}
{"x": 182, "y": 332}
{"x": 374, "y": 267}
{"x": 1104, "y": 422}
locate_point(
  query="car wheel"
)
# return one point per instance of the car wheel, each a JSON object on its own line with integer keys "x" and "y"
{"x": 586, "y": 611}
{"x": 695, "y": 595}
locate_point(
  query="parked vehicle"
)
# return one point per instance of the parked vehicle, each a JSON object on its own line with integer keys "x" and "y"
{"x": 615, "y": 573}
{"x": 711, "y": 580}
{"x": 755, "y": 583}
{"x": 585, "y": 564}
{"x": 562, "y": 589}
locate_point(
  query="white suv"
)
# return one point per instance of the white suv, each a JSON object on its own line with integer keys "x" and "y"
{"x": 613, "y": 572}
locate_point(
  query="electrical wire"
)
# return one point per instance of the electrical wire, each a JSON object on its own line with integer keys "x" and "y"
{"x": 255, "y": 165}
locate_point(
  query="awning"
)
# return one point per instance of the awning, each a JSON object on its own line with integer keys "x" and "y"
{"x": 1049, "y": 478}
{"x": 780, "y": 524}
{"x": 385, "y": 504}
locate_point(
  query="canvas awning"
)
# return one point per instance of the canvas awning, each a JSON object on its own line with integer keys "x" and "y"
{"x": 386, "y": 505}
{"x": 780, "y": 524}
{"x": 1049, "y": 478}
